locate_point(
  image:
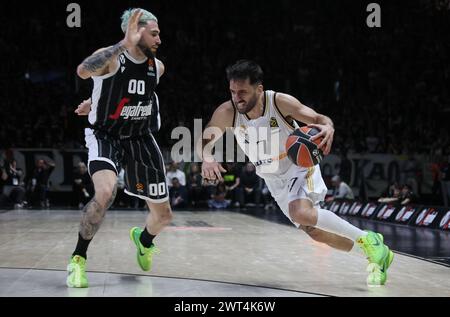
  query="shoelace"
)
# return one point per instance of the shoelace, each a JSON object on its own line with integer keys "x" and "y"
{"x": 369, "y": 247}
{"x": 154, "y": 250}
{"x": 149, "y": 251}
{"x": 78, "y": 268}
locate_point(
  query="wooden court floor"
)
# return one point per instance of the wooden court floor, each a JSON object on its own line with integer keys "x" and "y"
{"x": 203, "y": 253}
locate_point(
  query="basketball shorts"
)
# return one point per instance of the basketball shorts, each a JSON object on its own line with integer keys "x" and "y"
{"x": 297, "y": 183}
{"x": 141, "y": 159}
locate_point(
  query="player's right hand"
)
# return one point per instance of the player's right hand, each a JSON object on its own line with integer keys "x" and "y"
{"x": 133, "y": 33}
{"x": 327, "y": 133}
{"x": 84, "y": 108}
{"x": 212, "y": 170}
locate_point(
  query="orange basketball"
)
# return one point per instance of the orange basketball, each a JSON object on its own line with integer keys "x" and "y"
{"x": 300, "y": 150}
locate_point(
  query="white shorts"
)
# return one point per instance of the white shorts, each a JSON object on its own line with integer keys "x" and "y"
{"x": 297, "y": 183}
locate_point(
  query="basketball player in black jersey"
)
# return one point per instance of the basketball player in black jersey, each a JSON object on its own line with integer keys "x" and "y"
{"x": 124, "y": 106}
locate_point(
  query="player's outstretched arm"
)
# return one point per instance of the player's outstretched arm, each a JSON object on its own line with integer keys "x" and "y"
{"x": 100, "y": 62}
{"x": 222, "y": 119}
{"x": 291, "y": 107}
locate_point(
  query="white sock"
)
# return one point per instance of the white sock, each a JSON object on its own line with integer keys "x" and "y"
{"x": 328, "y": 221}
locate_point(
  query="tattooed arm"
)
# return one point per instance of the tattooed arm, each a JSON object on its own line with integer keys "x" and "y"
{"x": 99, "y": 63}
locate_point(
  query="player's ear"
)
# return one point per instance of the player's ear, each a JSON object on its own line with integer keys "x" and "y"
{"x": 260, "y": 88}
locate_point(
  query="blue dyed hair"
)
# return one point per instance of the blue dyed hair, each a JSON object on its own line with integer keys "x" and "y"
{"x": 146, "y": 16}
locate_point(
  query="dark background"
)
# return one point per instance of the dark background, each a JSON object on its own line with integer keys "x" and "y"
{"x": 393, "y": 80}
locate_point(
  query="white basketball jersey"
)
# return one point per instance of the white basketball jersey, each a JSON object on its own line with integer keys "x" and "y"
{"x": 263, "y": 139}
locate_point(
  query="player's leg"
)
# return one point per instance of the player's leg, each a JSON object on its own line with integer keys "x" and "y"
{"x": 146, "y": 179}
{"x": 104, "y": 177}
{"x": 305, "y": 191}
{"x": 159, "y": 217}
{"x": 105, "y": 186}
{"x": 303, "y": 212}
{"x": 93, "y": 215}
{"x": 331, "y": 239}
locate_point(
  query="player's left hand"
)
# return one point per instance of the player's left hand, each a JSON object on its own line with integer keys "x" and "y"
{"x": 84, "y": 108}
{"x": 327, "y": 132}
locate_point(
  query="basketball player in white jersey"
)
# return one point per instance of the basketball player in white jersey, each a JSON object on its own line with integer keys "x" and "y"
{"x": 298, "y": 191}
{"x": 122, "y": 117}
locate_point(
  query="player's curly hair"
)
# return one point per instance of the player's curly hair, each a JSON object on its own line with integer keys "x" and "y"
{"x": 146, "y": 16}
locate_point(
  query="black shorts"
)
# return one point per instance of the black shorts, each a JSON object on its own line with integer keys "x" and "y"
{"x": 141, "y": 159}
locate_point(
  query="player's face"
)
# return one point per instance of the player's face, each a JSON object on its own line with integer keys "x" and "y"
{"x": 244, "y": 95}
{"x": 151, "y": 37}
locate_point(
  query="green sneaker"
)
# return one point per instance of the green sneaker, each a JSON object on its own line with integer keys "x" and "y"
{"x": 77, "y": 272}
{"x": 143, "y": 254}
{"x": 379, "y": 256}
{"x": 378, "y": 274}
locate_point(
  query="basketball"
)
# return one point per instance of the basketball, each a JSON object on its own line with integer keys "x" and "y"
{"x": 300, "y": 150}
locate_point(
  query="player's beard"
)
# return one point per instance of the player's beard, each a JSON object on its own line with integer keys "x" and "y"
{"x": 250, "y": 105}
{"x": 146, "y": 50}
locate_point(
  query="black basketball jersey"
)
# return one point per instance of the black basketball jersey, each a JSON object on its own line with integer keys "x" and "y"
{"x": 124, "y": 102}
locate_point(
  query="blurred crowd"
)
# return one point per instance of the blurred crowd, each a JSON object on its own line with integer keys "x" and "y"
{"x": 241, "y": 187}
{"x": 18, "y": 192}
